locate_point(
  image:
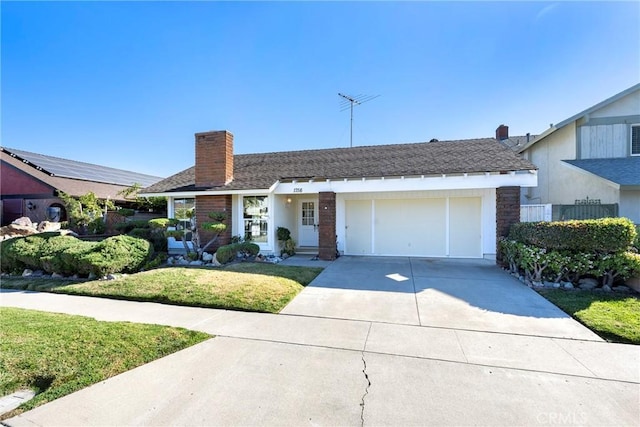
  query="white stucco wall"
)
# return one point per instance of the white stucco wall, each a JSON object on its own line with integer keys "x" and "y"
{"x": 630, "y": 205}
{"x": 625, "y": 106}
{"x": 559, "y": 183}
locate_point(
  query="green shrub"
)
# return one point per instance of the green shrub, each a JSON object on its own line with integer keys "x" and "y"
{"x": 225, "y": 254}
{"x": 620, "y": 265}
{"x": 118, "y": 254}
{"x": 140, "y": 233}
{"x": 126, "y": 227}
{"x": 51, "y": 253}
{"x": 289, "y": 247}
{"x": 283, "y": 233}
{"x": 9, "y": 263}
{"x": 126, "y": 212}
{"x": 249, "y": 248}
{"x": 607, "y": 235}
{"x": 163, "y": 222}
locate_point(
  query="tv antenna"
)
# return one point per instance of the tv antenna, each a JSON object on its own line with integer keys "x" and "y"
{"x": 348, "y": 103}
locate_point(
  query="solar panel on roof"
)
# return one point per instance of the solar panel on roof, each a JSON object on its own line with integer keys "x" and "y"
{"x": 85, "y": 171}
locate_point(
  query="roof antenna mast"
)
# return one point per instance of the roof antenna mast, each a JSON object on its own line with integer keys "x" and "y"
{"x": 348, "y": 104}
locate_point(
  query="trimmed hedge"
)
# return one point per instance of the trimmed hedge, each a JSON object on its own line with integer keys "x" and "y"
{"x": 607, "y": 235}
{"x": 538, "y": 264}
{"x": 227, "y": 253}
{"x": 68, "y": 255}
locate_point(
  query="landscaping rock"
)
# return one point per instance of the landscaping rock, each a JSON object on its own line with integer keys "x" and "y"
{"x": 182, "y": 261}
{"x": 588, "y": 283}
{"x": 207, "y": 257}
{"x": 196, "y": 262}
{"x": 92, "y": 276}
{"x": 27, "y": 272}
{"x": 45, "y": 226}
{"x": 111, "y": 277}
{"x": 621, "y": 289}
{"x": 56, "y": 276}
{"x": 215, "y": 262}
{"x": 23, "y": 221}
{"x": 606, "y": 288}
{"x": 37, "y": 273}
{"x": 567, "y": 285}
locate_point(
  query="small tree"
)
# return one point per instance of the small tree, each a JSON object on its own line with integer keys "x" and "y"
{"x": 85, "y": 213}
{"x": 216, "y": 226}
{"x": 131, "y": 193}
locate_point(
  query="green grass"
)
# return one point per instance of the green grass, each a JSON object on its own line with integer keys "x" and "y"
{"x": 57, "y": 354}
{"x": 614, "y": 317}
{"x": 244, "y": 286}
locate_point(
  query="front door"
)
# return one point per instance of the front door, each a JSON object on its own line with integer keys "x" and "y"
{"x": 308, "y": 222}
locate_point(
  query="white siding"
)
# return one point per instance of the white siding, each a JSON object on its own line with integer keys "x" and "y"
{"x": 603, "y": 141}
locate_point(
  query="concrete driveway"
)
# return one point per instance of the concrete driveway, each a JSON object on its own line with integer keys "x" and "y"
{"x": 446, "y": 293}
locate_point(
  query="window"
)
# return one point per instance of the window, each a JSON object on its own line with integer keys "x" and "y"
{"x": 635, "y": 140}
{"x": 182, "y": 210}
{"x": 256, "y": 216}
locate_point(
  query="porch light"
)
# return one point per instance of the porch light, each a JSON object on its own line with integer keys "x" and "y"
{"x": 288, "y": 202}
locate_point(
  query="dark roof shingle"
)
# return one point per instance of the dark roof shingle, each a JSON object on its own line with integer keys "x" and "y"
{"x": 261, "y": 170}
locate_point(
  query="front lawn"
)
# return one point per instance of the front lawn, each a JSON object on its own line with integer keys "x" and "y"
{"x": 244, "y": 286}
{"x": 614, "y": 317}
{"x": 57, "y": 354}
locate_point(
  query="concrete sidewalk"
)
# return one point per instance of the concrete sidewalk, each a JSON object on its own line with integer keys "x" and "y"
{"x": 264, "y": 369}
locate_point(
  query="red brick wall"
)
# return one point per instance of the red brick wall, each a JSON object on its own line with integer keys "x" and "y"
{"x": 214, "y": 158}
{"x": 207, "y": 204}
{"x": 507, "y": 213}
{"x": 327, "y": 222}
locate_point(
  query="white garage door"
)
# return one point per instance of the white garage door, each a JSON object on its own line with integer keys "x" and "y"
{"x": 437, "y": 227}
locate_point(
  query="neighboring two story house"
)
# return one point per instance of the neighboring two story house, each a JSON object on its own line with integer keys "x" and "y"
{"x": 590, "y": 163}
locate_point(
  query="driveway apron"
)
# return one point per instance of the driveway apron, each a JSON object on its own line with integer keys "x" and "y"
{"x": 462, "y": 294}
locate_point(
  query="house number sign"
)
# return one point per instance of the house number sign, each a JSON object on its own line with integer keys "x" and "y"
{"x": 297, "y": 190}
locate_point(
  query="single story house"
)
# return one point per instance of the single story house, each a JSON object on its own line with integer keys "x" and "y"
{"x": 589, "y": 163}
{"x": 435, "y": 199}
{"x": 30, "y": 182}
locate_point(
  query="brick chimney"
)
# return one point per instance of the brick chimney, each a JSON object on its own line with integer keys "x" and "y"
{"x": 214, "y": 158}
{"x": 502, "y": 133}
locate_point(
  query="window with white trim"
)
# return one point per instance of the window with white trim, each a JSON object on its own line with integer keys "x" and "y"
{"x": 255, "y": 213}
{"x": 635, "y": 140}
{"x": 183, "y": 210}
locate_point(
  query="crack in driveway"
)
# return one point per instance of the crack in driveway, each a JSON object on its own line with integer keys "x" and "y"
{"x": 366, "y": 390}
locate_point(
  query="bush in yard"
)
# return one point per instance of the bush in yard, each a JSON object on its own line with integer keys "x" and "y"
{"x": 249, "y": 248}
{"x": 118, "y": 254}
{"x": 621, "y": 265}
{"x": 52, "y": 260}
{"x": 68, "y": 255}
{"x": 126, "y": 227}
{"x": 607, "y": 235}
{"x": 225, "y": 254}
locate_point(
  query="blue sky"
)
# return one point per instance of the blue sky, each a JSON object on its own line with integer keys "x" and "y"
{"x": 127, "y": 84}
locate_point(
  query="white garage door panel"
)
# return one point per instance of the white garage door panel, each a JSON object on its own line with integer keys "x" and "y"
{"x": 410, "y": 227}
{"x": 358, "y": 222}
{"x": 465, "y": 228}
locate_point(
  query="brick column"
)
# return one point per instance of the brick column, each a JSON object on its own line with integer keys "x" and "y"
{"x": 207, "y": 204}
{"x": 327, "y": 222}
{"x": 507, "y": 213}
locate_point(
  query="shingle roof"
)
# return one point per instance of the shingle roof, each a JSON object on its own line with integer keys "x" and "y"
{"x": 65, "y": 168}
{"x": 624, "y": 171}
{"x": 260, "y": 171}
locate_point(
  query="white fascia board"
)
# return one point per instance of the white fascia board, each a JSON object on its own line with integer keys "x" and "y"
{"x": 522, "y": 179}
{"x": 591, "y": 174}
{"x": 191, "y": 194}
